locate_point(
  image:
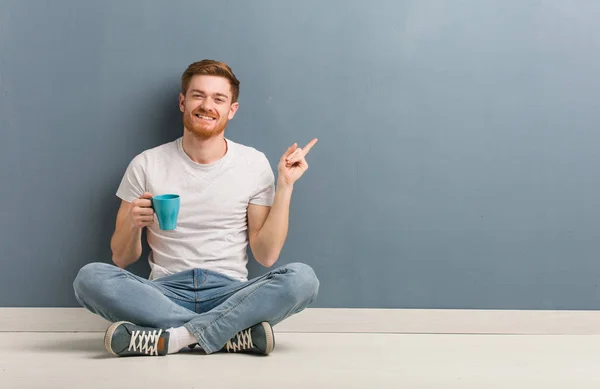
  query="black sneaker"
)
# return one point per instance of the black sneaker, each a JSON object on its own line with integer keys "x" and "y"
{"x": 125, "y": 339}
{"x": 258, "y": 339}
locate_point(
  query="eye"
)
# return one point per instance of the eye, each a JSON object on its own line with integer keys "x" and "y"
{"x": 219, "y": 100}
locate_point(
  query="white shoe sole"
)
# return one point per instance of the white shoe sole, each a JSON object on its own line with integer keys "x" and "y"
{"x": 270, "y": 337}
{"x": 109, "y": 334}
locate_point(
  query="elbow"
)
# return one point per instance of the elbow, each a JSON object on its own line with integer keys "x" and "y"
{"x": 268, "y": 260}
{"x": 269, "y": 263}
{"x": 119, "y": 262}
{"x": 124, "y": 254}
{"x": 264, "y": 253}
{"x": 122, "y": 261}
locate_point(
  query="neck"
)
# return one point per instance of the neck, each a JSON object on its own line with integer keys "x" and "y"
{"x": 204, "y": 150}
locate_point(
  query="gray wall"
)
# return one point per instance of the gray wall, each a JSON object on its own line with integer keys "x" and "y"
{"x": 458, "y": 158}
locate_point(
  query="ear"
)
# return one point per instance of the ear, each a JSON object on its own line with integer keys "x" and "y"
{"x": 232, "y": 110}
{"x": 181, "y": 102}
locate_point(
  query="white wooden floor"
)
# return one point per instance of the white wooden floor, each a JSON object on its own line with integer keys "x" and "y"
{"x": 310, "y": 360}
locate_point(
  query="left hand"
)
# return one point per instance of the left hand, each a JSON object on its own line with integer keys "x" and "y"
{"x": 292, "y": 164}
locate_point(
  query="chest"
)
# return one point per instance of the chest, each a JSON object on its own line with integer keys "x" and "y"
{"x": 211, "y": 199}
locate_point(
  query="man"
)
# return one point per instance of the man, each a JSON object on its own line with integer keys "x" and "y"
{"x": 198, "y": 292}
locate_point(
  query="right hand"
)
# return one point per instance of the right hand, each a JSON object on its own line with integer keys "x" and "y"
{"x": 142, "y": 214}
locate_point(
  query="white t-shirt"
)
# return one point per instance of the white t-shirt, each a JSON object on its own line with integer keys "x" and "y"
{"x": 212, "y": 228}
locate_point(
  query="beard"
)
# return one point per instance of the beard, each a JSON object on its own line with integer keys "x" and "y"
{"x": 201, "y": 128}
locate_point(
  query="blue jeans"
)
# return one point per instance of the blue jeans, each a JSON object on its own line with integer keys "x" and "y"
{"x": 212, "y": 306}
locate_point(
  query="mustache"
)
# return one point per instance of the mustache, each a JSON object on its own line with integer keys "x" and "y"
{"x": 204, "y": 112}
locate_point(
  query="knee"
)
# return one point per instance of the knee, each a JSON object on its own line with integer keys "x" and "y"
{"x": 303, "y": 284}
{"x": 91, "y": 277}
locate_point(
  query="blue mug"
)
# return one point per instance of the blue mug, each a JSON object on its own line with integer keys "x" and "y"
{"x": 166, "y": 208}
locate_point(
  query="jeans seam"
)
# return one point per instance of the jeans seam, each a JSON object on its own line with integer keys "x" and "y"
{"x": 197, "y": 331}
{"x": 242, "y": 286}
{"x": 166, "y": 293}
{"x": 217, "y": 295}
{"x": 199, "y": 337}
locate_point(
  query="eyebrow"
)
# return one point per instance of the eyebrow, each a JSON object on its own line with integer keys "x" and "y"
{"x": 217, "y": 94}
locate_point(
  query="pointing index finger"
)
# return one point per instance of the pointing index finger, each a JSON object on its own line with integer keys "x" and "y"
{"x": 309, "y": 146}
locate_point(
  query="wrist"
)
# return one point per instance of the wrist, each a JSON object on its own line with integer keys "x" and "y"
{"x": 284, "y": 186}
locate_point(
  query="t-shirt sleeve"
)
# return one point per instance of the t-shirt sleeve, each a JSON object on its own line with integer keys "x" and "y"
{"x": 265, "y": 189}
{"x": 133, "y": 183}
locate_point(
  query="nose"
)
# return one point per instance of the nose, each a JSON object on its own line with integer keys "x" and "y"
{"x": 207, "y": 105}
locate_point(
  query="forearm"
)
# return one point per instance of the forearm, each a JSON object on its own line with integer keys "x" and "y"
{"x": 126, "y": 244}
{"x": 271, "y": 237}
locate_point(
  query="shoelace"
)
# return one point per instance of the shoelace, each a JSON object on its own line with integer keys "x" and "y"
{"x": 242, "y": 341}
{"x": 147, "y": 341}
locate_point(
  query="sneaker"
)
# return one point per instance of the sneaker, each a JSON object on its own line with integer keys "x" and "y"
{"x": 125, "y": 339}
{"x": 258, "y": 339}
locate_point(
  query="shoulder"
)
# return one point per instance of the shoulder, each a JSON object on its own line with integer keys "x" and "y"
{"x": 159, "y": 152}
{"x": 249, "y": 155}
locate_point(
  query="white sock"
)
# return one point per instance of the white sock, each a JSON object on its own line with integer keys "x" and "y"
{"x": 180, "y": 338}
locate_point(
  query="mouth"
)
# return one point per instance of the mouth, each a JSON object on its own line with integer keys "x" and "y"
{"x": 204, "y": 117}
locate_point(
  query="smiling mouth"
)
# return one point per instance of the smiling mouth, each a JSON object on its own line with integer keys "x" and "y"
{"x": 203, "y": 117}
